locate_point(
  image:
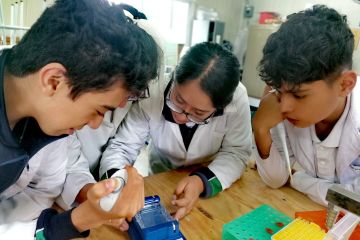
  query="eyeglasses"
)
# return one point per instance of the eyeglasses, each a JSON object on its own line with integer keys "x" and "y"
{"x": 191, "y": 118}
{"x": 142, "y": 95}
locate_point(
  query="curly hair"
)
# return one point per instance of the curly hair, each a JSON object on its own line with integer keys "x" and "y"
{"x": 94, "y": 41}
{"x": 314, "y": 44}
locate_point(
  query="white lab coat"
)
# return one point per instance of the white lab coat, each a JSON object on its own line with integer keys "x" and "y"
{"x": 225, "y": 139}
{"x": 34, "y": 191}
{"x": 273, "y": 170}
{"x": 18, "y": 230}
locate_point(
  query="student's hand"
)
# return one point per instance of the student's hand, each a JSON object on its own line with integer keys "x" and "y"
{"x": 89, "y": 214}
{"x": 131, "y": 198}
{"x": 268, "y": 115}
{"x": 82, "y": 195}
{"x": 119, "y": 224}
{"x": 130, "y": 201}
{"x": 186, "y": 194}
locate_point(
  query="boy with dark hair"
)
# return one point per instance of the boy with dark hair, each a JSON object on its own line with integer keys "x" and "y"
{"x": 308, "y": 64}
{"x": 80, "y": 59}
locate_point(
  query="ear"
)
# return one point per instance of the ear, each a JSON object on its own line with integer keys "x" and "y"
{"x": 347, "y": 82}
{"x": 52, "y": 78}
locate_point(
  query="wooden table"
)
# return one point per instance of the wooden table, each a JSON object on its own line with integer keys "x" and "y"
{"x": 208, "y": 216}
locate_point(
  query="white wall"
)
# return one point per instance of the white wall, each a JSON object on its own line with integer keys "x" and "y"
{"x": 286, "y": 7}
{"x": 32, "y": 10}
{"x": 230, "y": 12}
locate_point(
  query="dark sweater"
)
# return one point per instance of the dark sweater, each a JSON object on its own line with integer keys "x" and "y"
{"x": 17, "y": 146}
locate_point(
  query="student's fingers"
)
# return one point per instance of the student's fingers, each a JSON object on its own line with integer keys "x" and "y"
{"x": 116, "y": 223}
{"x": 130, "y": 216}
{"x": 92, "y": 211}
{"x": 135, "y": 190}
{"x": 269, "y": 113}
{"x": 270, "y": 91}
{"x": 180, "y": 187}
{"x": 82, "y": 195}
{"x": 185, "y": 205}
{"x": 190, "y": 191}
{"x": 181, "y": 212}
{"x": 101, "y": 189}
{"x": 124, "y": 226}
{"x": 131, "y": 199}
{"x": 271, "y": 95}
{"x": 267, "y": 89}
{"x": 129, "y": 169}
{"x": 128, "y": 209}
{"x": 134, "y": 178}
{"x": 182, "y": 202}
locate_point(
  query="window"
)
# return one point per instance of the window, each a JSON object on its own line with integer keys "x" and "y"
{"x": 169, "y": 16}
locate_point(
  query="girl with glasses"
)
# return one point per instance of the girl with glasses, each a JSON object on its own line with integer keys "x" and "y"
{"x": 200, "y": 115}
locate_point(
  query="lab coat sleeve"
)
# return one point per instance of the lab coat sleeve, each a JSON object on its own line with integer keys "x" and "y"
{"x": 77, "y": 174}
{"x": 18, "y": 230}
{"x": 124, "y": 148}
{"x": 273, "y": 170}
{"x": 45, "y": 185}
{"x": 231, "y": 160}
{"x": 316, "y": 188}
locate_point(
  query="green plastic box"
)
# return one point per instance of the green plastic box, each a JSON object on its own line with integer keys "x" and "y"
{"x": 259, "y": 224}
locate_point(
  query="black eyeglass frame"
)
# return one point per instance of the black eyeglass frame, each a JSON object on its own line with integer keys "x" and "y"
{"x": 175, "y": 108}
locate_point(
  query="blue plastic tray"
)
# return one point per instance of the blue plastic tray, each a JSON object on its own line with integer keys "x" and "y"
{"x": 153, "y": 222}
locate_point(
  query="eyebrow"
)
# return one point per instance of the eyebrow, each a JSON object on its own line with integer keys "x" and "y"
{"x": 294, "y": 91}
{"x": 299, "y": 91}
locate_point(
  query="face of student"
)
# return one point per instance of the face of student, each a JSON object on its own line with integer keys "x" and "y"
{"x": 57, "y": 113}
{"x": 314, "y": 102}
{"x": 190, "y": 98}
{"x": 88, "y": 109}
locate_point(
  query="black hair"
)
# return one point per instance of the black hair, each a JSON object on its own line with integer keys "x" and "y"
{"x": 94, "y": 41}
{"x": 216, "y": 68}
{"x": 136, "y": 13}
{"x": 314, "y": 44}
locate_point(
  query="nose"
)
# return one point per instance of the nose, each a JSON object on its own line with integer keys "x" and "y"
{"x": 286, "y": 103}
{"x": 180, "y": 118}
{"x": 96, "y": 121}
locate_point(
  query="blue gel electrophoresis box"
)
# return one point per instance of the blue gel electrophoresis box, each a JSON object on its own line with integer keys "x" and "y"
{"x": 153, "y": 222}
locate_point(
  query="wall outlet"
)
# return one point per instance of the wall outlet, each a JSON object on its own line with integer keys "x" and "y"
{"x": 248, "y": 11}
